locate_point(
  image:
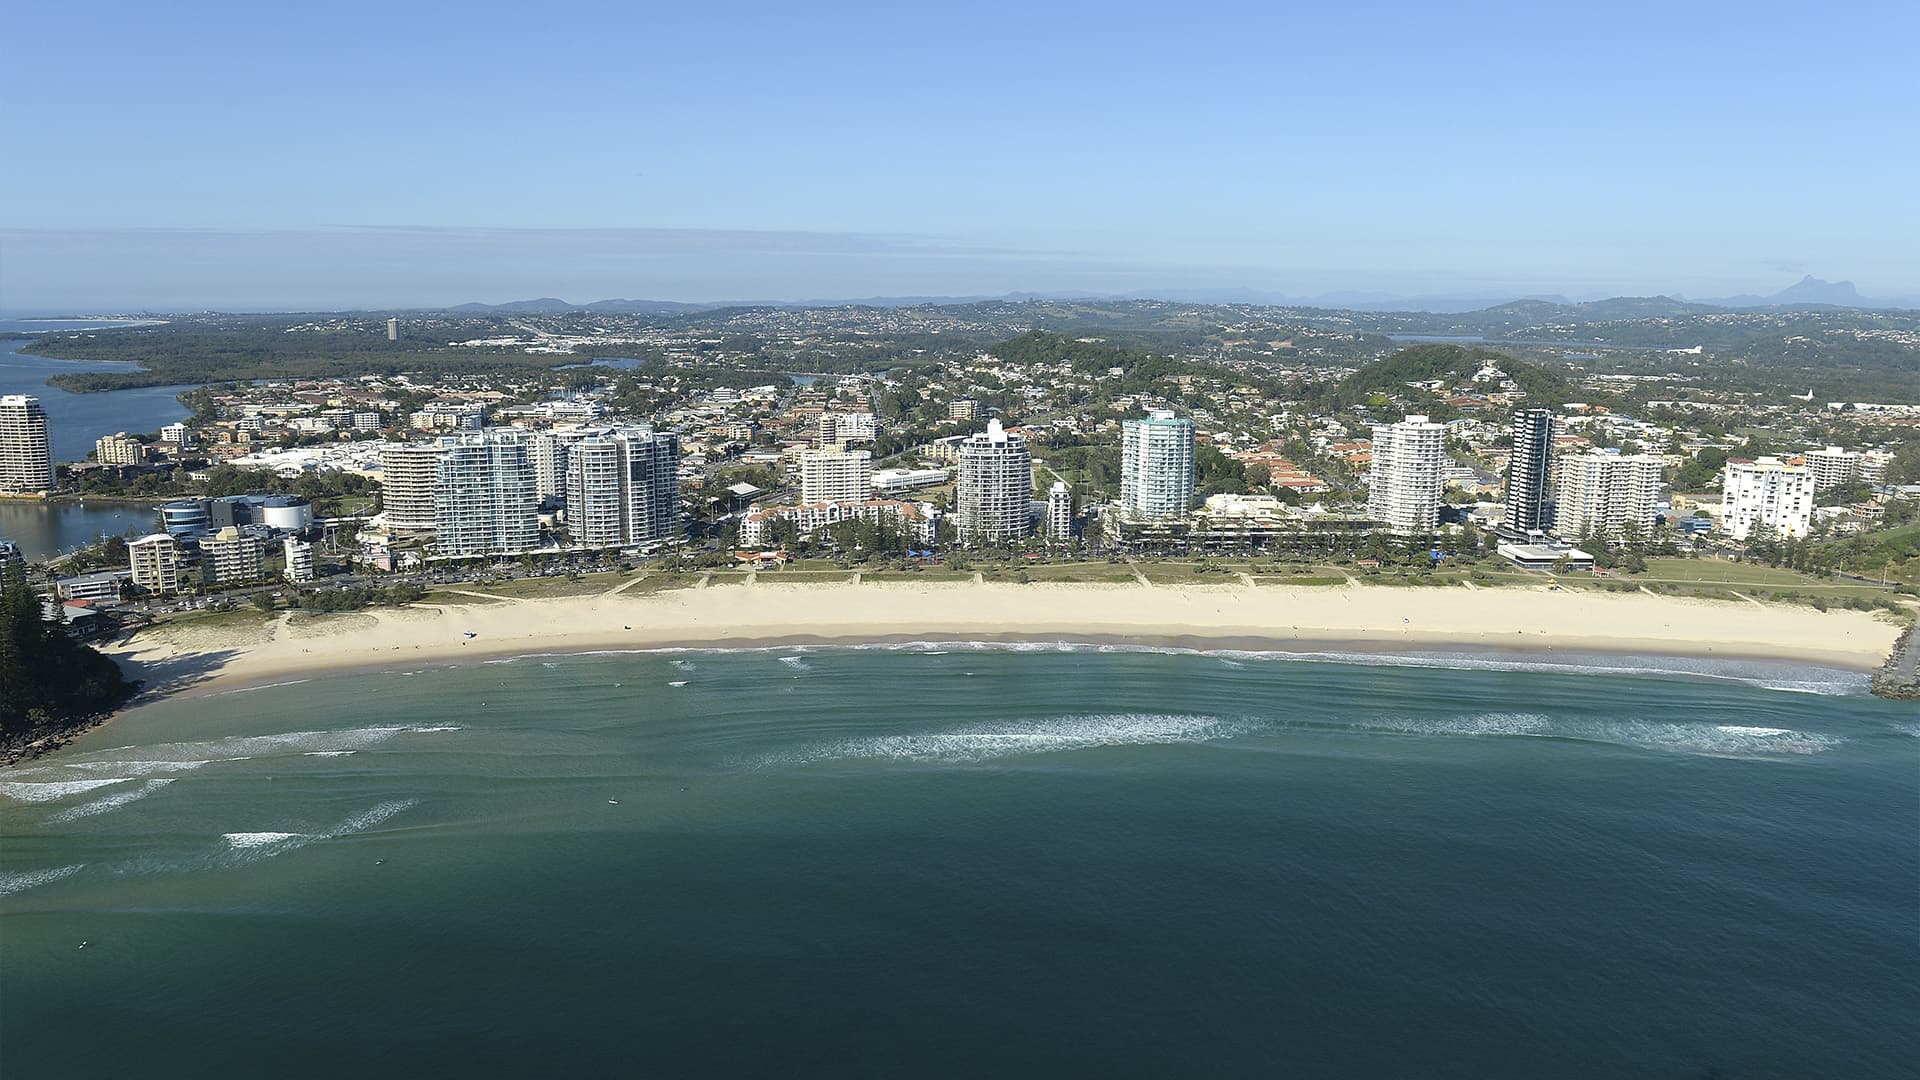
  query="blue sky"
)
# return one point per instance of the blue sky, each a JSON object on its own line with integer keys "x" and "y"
{"x": 246, "y": 155}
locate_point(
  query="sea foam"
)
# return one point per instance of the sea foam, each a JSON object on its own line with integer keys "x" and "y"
{"x": 111, "y": 802}
{"x": 1039, "y": 736}
{"x": 21, "y": 881}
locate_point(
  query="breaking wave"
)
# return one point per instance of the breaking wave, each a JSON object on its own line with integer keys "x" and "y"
{"x": 49, "y": 791}
{"x": 1027, "y": 737}
{"x": 21, "y": 881}
{"x": 251, "y": 846}
{"x": 111, "y": 802}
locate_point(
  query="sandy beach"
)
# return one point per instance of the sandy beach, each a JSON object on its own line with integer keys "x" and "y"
{"x": 185, "y": 659}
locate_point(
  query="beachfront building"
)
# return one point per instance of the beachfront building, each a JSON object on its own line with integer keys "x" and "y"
{"x": 299, "y": 560}
{"x": 1601, "y": 494}
{"x": 408, "y": 473}
{"x": 230, "y": 556}
{"x": 1529, "y": 498}
{"x": 623, "y": 488}
{"x": 484, "y": 498}
{"x": 155, "y": 563}
{"x": 835, "y": 475}
{"x": 995, "y": 490}
{"x": 119, "y": 448}
{"x": 26, "y": 449}
{"x": 1156, "y": 466}
{"x": 1833, "y": 467}
{"x": 1408, "y": 476}
{"x": 1060, "y": 513}
{"x": 1764, "y": 497}
{"x": 549, "y": 453}
{"x": 757, "y": 525}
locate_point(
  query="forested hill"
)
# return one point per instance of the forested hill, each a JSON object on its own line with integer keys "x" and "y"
{"x": 49, "y": 683}
{"x": 1453, "y": 363}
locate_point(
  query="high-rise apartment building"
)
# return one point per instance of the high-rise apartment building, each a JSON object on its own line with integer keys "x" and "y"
{"x": 1833, "y": 467}
{"x": 1601, "y": 493}
{"x": 299, "y": 560}
{"x": 1529, "y": 505}
{"x": 230, "y": 556}
{"x": 26, "y": 449}
{"x": 846, "y": 427}
{"x": 408, "y": 473}
{"x": 1409, "y": 474}
{"x": 155, "y": 561}
{"x": 1766, "y": 496}
{"x": 484, "y": 498}
{"x": 119, "y": 448}
{"x": 1156, "y": 466}
{"x": 1060, "y": 513}
{"x": 995, "y": 490}
{"x": 963, "y": 409}
{"x": 623, "y": 488}
{"x": 835, "y": 475}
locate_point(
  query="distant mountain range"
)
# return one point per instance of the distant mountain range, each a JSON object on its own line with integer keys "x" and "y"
{"x": 1807, "y": 292}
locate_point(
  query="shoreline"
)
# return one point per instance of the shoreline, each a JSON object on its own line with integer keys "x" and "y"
{"x": 1517, "y": 623}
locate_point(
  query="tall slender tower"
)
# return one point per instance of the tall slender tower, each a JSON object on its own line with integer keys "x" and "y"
{"x": 1060, "y": 514}
{"x": 623, "y": 488}
{"x": 995, "y": 488}
{"x": 1409, "y": 473}
{"x": 26, "y": 452}
{"x": 408, "y": 475}
{"x": 1156, "y": 466}
{"x": 1529, "y": 509}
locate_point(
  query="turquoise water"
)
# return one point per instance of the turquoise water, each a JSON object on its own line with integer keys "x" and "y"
{"x": 956, "y": 861}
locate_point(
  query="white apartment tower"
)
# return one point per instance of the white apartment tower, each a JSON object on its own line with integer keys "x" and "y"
{"x": 1833, "y": 467}
{"x": 299, "y": 560}
{"x": 1766, "y": 496}
{"x": 408, "y": 473}
{"x": 484, "y": 498}
{"x": 26, "y": 451}
{"x": 1156, "y": 466}
{"x": 1060, "y": 513}
{"x": 119, "y": 448}
{"x": 623, "y": 488}
{"x": 995, "y": 487}
{"x": 1409, "y": 474}
{"x": 231, "y": 555}
{"x": 155, "y": 561}
{"x": 1601, "y": 493}
{"x": 835, "y": 475}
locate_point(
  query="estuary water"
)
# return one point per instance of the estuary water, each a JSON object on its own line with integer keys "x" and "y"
{"x": 74, "y": 421}
{"x": 970, "y": 861}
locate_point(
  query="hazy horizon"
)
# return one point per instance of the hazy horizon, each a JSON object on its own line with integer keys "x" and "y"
{"x": 169, "y": 159}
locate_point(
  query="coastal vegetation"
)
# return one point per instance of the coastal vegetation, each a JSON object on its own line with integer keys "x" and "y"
{"x": 49, "y": 683}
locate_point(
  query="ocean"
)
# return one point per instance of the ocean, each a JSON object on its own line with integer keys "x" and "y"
{"x": 953, "y": 860}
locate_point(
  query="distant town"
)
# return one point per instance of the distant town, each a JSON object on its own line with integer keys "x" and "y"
{"x": 769, "y": 438}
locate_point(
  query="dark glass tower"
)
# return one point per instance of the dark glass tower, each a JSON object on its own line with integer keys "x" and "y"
{"x": 1529, "y": 508}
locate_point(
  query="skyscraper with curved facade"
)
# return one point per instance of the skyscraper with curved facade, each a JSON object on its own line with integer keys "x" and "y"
{"x": 995, "y": 491}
